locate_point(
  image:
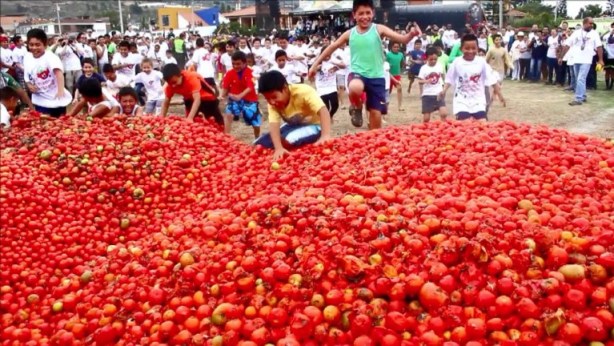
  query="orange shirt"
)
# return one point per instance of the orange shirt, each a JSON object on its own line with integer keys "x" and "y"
{"x": 236, "y": 84}
{"x": 192, "y": 82}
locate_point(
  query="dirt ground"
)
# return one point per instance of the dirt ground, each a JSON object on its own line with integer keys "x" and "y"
{"x": 526, "y": 103}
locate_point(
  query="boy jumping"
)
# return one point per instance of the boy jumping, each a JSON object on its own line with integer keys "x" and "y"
{"x": 367, "y": 62}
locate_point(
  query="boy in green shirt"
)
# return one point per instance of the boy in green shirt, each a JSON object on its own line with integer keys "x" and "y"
{"x": 367, "y": 62}
{"x": 396, "y": 59}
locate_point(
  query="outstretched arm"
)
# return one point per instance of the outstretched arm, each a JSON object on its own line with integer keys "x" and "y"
{"x": 328, "y": 51}
{"x": 395, "y": 37}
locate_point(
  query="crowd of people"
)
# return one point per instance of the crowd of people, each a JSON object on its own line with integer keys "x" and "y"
{"x": 306, "y": 77}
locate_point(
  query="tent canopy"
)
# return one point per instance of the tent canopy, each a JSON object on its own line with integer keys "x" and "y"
{"x": 328, "y": 6}
{"x": 209, "y": 15}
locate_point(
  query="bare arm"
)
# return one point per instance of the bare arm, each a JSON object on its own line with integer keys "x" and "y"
{"x": 23, "y": 95}
{"x": 139, "y": 112}
{"x": 77, "y": 108}
{"x": 165, "y": 104}
{"x": 59, "y": 77}
{"x": 387, "y": 32}
{"x": 325, "y": 123}
{"x": 195, "y": 105}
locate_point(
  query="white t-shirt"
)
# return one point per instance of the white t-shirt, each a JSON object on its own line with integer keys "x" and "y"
{"x": 87, "y": 50}
{"x": 553, "y": 45}
{"x": 469, "y": 78}
{"x": 40, "y": 72}
{"x": 131, "y": 60}
{"x": 448, "y": 38}
{"x": 6, "y": 55}
{"x": 109, "y": 101}
{"x": 288, "y": 72}
{"x": 568, "y": 57}
{"x": 299, "y": 65}
{"x": 142, "y": 49}
{"x": 70, "y": 57}
{"x": 584, "y": 45}
{"x": 342, "y": 55}
{"x": 19, "y": 54}
{"x": 245, "y": 50}
{"x": 166, "y": 60}
{"x": 527, "y": 53}
{"x": 153, "y": 84}
{"x": 326, "y": 82}
{"x": 105, "y": 57}
{"x": 119, "y": 82}
{"x": 387, "y": 75}
{"x": 483, "y": 43}
{"x": 5, "y": 117}
{"x": 608, "y": 45}
{"x": 204, "y": 63}
{"x": 508, "y": 34}
{"x": 433, "y": 74}
{"x": 226, "y": 61}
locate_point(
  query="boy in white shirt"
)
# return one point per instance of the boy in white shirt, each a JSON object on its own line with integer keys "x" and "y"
{"x": 202, "y": 60}
{"x": 169, "y": 58}
{"x": 6, "y": 55}
{"x": 152, "y": 83}
{"x": 44, "y": 76}
{"x": 226, "y": 58}
{"x": 115, "y": 81}
{"x": 469, "y": 74}
{"x": 341, "y": 59}
{"x": 282, "y": 65}
{"x": 326, "y": 86}
{"x": 124, "y": 63}
{"x": 430, "y": 80}
{"x": 8, "y": 103}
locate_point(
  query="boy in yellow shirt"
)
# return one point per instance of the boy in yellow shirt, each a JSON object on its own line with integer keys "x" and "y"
{"x": 305, "y": 116}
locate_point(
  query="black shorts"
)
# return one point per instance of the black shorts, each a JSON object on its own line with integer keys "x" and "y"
{"x": 431, "y": 104}
{"x": 209, "y": 108}
{"x": 466, "y": 115}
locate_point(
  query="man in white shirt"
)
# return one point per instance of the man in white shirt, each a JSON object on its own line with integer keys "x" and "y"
{"x": 509, "y": 33}
{"x": 448, "y": 37}
{"x": 70, "y": 53}
{"x": 6, "y": 55}
{"x": 584, "y": 43}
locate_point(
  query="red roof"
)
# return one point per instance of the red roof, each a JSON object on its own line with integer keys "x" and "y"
{"x": 10, "y": 21}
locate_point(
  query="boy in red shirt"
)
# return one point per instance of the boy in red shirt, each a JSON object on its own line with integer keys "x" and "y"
{"x": 238, "y": 86}
{"x": 198, "y": 95}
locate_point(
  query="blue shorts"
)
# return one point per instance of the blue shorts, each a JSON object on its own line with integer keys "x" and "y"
{"x": 292, "y": 136}
{"x": 375, "y": 88}
{"x": 249, "y": 111}
{"x": 54, "y": 112}
{"x": 466, "y": 115}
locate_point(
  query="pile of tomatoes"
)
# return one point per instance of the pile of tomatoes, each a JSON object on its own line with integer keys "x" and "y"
{"x": 129, "y": 231}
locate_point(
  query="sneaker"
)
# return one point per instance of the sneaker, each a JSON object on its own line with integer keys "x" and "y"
{"x": 575, "y": 103}
{"x": 356, "y": 114}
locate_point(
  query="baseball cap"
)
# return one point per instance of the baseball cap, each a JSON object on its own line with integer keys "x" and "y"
{"x": 520, "y": 33}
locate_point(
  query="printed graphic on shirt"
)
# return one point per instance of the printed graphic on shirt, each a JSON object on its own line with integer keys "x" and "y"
{"x": 43, "y": 80}
{"x": 468, "y": 84}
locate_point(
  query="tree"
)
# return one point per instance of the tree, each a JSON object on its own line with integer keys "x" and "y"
{"x": 561, "y": 9}
{"x": 590, "y": 11}
{"x": 610, "y": 7}
{"x": 135, "y": 9}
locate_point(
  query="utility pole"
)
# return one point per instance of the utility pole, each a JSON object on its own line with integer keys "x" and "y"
{"x": 57, "y": 9}
{"x": 500, "y": 14}
{"x": 121, "y": 17}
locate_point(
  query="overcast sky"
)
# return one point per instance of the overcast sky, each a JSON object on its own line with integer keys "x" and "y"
{"x": 574, "y": 6}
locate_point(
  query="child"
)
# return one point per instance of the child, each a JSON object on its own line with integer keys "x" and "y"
{"x": 88, "y": 73}
{"x": 367, "y": 62}
{"x": 99, "y": 102}
{"x": 493, "y": 78}
{"x": 203, "y": 61}
{"x": 498, "y": 58}
{"x": 238, "y": 86}
{"x": 198, "y": 95}
{"x": 44, "y": 76}
{"x": 326, "y": 86}
{"x": 8, "y": 103}
{"x": 396, "y": 60}
{"x": 416, "y": 61}
{"x": 114, "y": 81}
{"x": 256, "y": 69}
{"x": 128, "y": 101}
{"x": 226, "y": 58}
{"x": 286, "y": 69}
{"x": 306, "y": 118}
{"x": 169, "y": 58}
{"x": 152, "y": 83}
{"x": 469, "y": 74}
{"x": 430, "y": 79}
{"x": 124, "y": 62}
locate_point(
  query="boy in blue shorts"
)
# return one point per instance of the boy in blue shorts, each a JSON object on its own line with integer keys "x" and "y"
{"x": 297, "y": 115}
{"x": 367, "y": 62}
{"x": 238, "y": 86}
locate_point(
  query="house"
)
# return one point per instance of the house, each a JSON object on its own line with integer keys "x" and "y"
{"x": 99, "y": 26}
{"x": 247, "y": 17}
{"x": 181, "y": 17}
{"x": 10, "y": 22}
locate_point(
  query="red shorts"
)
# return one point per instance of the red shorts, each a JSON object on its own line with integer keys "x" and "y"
{"x": 397, "y": 78}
